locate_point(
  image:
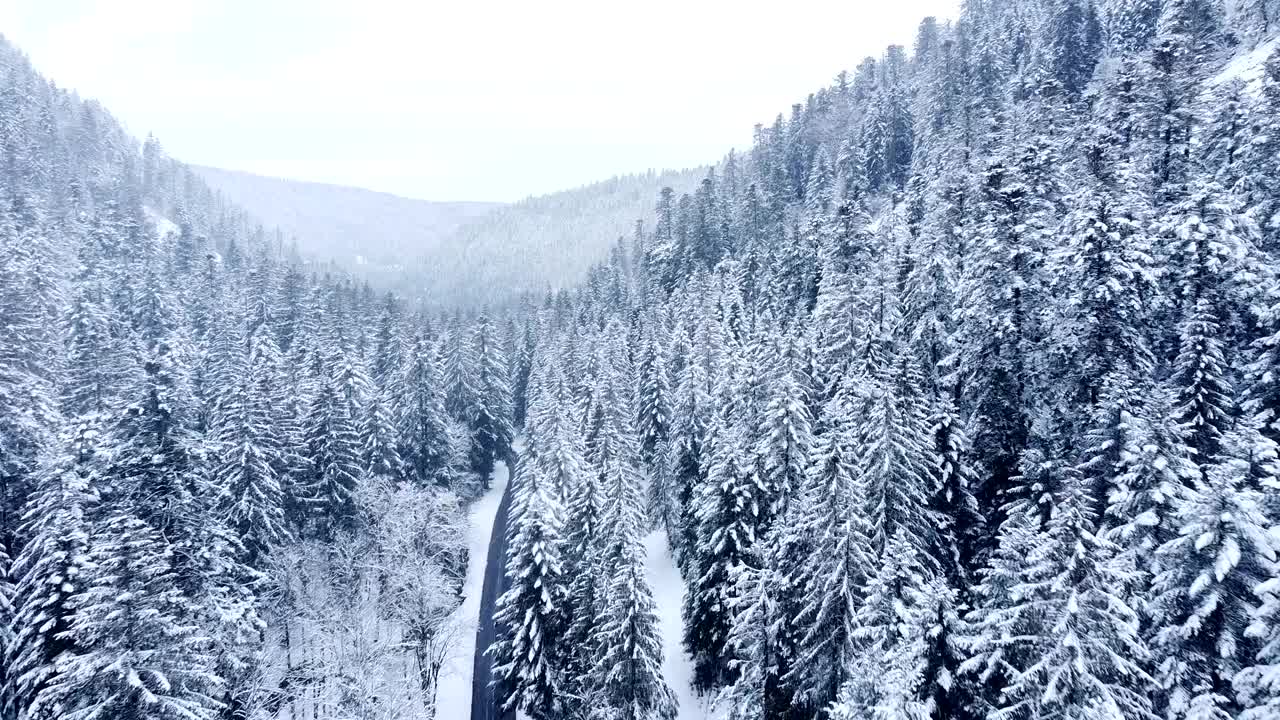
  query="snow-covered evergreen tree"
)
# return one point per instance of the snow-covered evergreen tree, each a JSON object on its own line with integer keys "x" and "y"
{"x": 1078, "y": 651}
{"x": 838, "y": 563}
{"x": 333, "y": 449}
{"x": 1202, "y": 596}
{"x": 490, "y": 416}
{"x": 627, "y": 675}
{"x": 53, "y": 563}
{"x": 654, "y": 399}
{"x": 534, "y": 608}
{"x": 138, "y": 651}
{"x": 253, "y": 457}
{"x": 422, "y": 419}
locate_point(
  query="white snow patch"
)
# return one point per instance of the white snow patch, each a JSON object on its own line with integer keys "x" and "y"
{"x": 668, "y": 596}
{"x": 453, "y": 697}
{"x": 1248, "y": 67}
{"x": 163, "y": 225}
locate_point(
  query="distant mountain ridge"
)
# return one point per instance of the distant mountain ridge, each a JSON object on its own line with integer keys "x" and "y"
{"x": 349, "y": 225}
{"x": 453, "y": 253}
{"x": 540, "y": 243}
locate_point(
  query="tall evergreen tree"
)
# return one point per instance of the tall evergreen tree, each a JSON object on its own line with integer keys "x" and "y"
{"x": 138, "y": 651}
{"x": 1203, "y": 590}
{"x": 50, "y": 569}
{"x": 333, "y": 448}
{"x": 490, "y": 417}
{"x": 254, "y": 459}
{"x": 839, "y": 563}
{"x": 422, "y": 419}
{"x": 534, "y": 608}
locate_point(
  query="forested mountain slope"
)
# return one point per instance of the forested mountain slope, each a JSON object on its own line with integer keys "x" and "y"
{"x": 370, "y": 232}
{"x": 229, "y": 487}
{"x": 956, "y": 394}
{"x": 545, "y": 242}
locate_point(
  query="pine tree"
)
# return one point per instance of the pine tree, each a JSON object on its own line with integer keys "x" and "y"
{"x": 1002, "y": 297}
{"x": 629, "y": 668}
{"x": 888, "y": 670}
{"x": 1204, "y": 407}
{"x": 997, "y": 621}
{"x": 380, "y": 453}
{"x": 422, "y": 419}
{"x": 654, "y": 420}
{"x": 28, "y": 415}
{"x": 1152, "y": 477}
{"x": 944, "y": 690}
{"x": 1080, "y": 655}
{"x": 756, "y": 643}
{"x": 6, "y": 634}
{"x": 522, "y": 368}
{"x": 1107, "y": 264}
{"x": 100, "y": 365}
{"x": 685, "y": 457}
{"x": 729, "y": 507}
{"x": 959, "y": 525}
{"x": 1258, "y": 686}
{"x": 459, "y": 372}
{"x": 583, "y": 547}
{"x": 785, "y": 434}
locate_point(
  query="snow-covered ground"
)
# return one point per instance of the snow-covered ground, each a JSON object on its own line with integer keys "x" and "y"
{"x": 453, "y": 699}
{"x": 164, "y": 226}
{"x": 1248, "y": 66}
{"x": 668, "y": 595}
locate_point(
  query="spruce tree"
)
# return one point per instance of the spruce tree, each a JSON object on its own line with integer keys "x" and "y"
{"x": 785, "y": 433}
{"x": 333, "y": 449}
{"x": 253, "y": 458}
{"x": 729, "y": 506}
{"x": 1080, "y": 654}
{"x": 52, "y": 565}
{"x": 490, "y": 416}
{"x": 139, "y": 652}
{"x": 838, "y": 564}
{"x": 1204, "y": 408}
{"x": 1258, "y": 685}
{"x": 422, "y": 419}
{"x": 7, "y": 681}
{"x": 628, "y": 672}
{"x": 529, "y": 661}
{"x": 654, "y": 420}
{"x": 888, "y": 670}
{"x": 685, "y": 457}
{"x": 1203, "y": 590}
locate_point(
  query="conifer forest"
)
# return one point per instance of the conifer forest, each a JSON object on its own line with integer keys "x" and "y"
{"x": 955, "y": 396}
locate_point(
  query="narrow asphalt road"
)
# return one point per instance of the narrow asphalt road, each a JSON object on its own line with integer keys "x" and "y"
{"x": 485, "y": 703}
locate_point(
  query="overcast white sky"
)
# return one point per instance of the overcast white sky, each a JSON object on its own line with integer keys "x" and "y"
{"x": 466, "y": 100}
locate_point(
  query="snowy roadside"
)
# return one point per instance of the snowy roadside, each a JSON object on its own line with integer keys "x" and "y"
{"x": 668, "y": 597}
{"x": 453, "y": 699}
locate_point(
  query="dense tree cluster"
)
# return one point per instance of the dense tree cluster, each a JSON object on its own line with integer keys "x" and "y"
{"x": 955, "y": 395}
{"x": 214, "y": 461}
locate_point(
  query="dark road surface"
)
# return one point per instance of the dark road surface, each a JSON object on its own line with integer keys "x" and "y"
{"x": 484, "y": 701}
